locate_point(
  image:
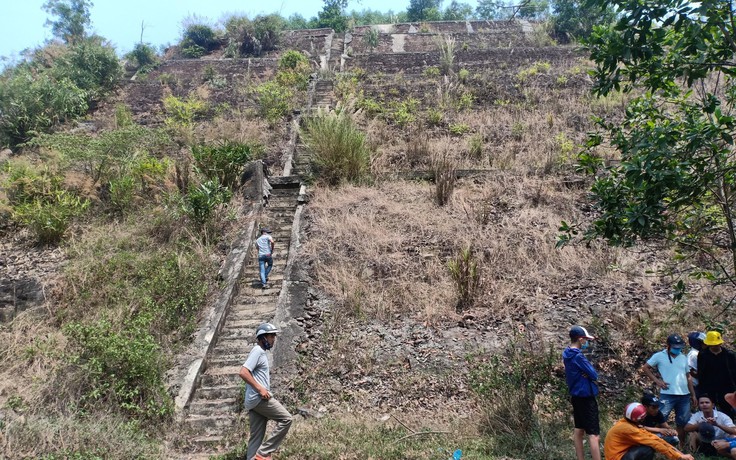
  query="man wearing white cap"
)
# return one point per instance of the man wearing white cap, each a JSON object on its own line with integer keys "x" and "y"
{"x": 581, "y": 377}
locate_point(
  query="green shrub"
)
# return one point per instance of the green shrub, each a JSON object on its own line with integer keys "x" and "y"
{"x": 521, "y": 396}
{"x": 123, "y": 116}
{"x": 225, "y": 161}
{"x": 193, "y": 51}
{"x": 123, "y": 366}
{"x": 371, "y": 38}
{"x": 517, "y": 131}
{"x": 293, "y": 60}
{"x": 298, "y": 80}
{"x": 431, "y": 72}
{"x": 110, "y": 154}
{"x": 274, "y": 101}
{"x": 26, "y": 183}
{"x": 466, "y": 276}
{"x": 214, "y": 79}
{"x": 144, "y": 57}
{"x": 533, "y": 70}
{"x": 403, "y": 112}
{"x": 252, "y": 38}
{"x": 338, "y": 148}
{"x": 32, "y": 102}
{"x": 371, "y": 107}
{"x": 463, "y": 75}
{"x": 434, "y": 117}
{"x": 458, "y": 129}
{"x": 199, "y": 36}
{"x": 49, "y": 217}
{"x": 201, "y": 201}
{"x": 92, "y": 67}
{"x": 465, "y": 101}
{"x": 183, "y": 112}
{"x": 475, "y": 147}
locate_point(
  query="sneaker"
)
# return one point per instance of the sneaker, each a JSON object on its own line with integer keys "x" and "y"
{"x": 262, "y": 457}
{"x": 265, "y": 286}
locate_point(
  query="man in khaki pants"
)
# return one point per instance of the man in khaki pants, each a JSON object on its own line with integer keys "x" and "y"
{"x": 259, "y": 402}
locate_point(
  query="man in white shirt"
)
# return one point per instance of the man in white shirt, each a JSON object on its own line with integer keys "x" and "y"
{"x": 265, "y": 255}
{"x": 259, "y": 402}
{"x": 711, "y": 425}
{"x": 695, "y": 340}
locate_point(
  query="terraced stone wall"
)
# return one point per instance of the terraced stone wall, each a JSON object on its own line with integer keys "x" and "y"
{"x": 508, "y": 59}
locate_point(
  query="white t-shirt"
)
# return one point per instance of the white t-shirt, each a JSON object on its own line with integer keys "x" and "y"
{"x": 722, "y": 419}
{"x": 264, "y": 244}
{"x": 673, "y": 373}
{"x": 257, "y": 364}
{"x": 692, "y": 361}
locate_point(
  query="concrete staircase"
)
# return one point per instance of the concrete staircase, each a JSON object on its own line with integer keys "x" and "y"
{"x": 324, "y": 95}
{"x": 212, "y": 415}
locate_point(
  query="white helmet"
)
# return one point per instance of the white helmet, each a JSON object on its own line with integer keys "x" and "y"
{"x": 266, "y": 328}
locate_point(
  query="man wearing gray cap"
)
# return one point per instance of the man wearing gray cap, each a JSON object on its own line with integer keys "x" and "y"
{"x": 581, "y": 377}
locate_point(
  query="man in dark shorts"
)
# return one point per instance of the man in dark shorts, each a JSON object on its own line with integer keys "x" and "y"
{"x": 581, "y": 378}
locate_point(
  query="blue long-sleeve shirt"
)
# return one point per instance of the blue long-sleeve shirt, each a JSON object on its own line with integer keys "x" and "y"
{"x": 579, "y": 373}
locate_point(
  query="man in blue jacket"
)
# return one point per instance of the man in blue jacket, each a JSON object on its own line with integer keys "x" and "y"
{"x": 581, "y": 378}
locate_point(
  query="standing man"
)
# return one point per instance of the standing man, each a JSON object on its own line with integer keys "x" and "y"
{"x": 716, "y": 370}
{"x": 676, "y": 387}
{"x": 259, "y": 402}
{"x": 695, "y": 340}
{"x": 265, "y": 255}
{"x": 627, "y": 440}
{"x": 581, "y": 378}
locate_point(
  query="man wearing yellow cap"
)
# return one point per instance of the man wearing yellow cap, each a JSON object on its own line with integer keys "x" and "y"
{"x": 716, "y": 371}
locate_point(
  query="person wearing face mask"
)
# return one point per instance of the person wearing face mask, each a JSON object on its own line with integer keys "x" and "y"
{"x": 717, "y": 371}
{"x": 259, "y": 402}
{"x": 581, "y": 380}
{"x": 675, "y": 385}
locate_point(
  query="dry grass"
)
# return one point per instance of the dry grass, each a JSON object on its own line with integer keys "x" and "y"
{"x": 388, "y": 246}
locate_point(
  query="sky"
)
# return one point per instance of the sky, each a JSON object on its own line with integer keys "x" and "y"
{"x": 120, "y": 20}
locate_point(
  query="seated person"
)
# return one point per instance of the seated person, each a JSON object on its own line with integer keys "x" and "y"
{"x": 725, "y": 445}
{"x": 729, "y": 443}
{"x": 655, "y": 423}
{"x": 626, "y": 440}
{"x": 710, "y": 425}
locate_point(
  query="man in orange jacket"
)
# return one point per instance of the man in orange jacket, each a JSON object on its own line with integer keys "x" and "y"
{"x": 627, "y": 440}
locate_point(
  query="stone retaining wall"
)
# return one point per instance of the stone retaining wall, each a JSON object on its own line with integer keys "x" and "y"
{"x": 416, "y": 63}
{"x": 313, "y": 42}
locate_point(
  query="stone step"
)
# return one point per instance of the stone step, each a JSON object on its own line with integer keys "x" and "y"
{"x": 255, "y": 309}
{"x": 223, "y": 376}
{"x": 208, "y": 442}
{"x": 238, "y": 323}
{"x": 233, "y": 345}
{"x": 210, "y": 423}
{"x": 229, "y": 360}
{"x": 241, "y": 333}
{"x": 230, "y": 372}
{"x": 219, "y": 392}
{"x": 213, "y": 406}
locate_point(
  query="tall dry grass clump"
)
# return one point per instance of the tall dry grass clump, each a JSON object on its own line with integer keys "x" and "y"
{"x": 338, "y": 148}
{"x": 443, "y": 171}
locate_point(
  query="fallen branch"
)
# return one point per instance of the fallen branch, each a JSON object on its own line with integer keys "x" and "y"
{"x": 402, "y": 423}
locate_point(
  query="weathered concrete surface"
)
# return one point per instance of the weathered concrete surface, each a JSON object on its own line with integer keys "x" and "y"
{"x": 205, "y": 340}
